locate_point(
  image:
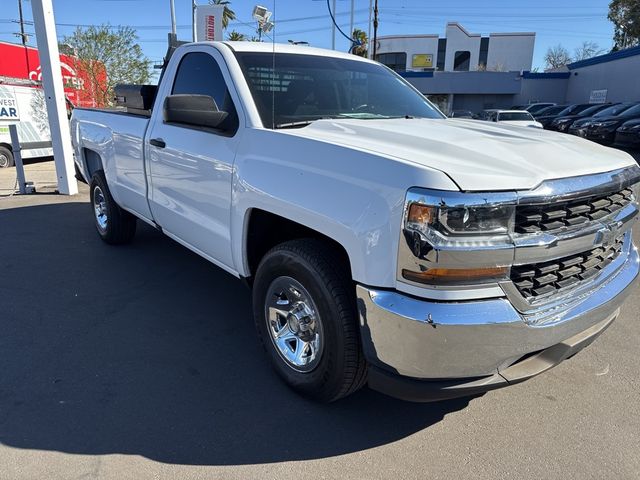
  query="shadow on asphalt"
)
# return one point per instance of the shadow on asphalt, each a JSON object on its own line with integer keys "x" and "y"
{"x": 149, "y": 350}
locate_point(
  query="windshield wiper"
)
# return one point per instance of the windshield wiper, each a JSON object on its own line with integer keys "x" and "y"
{"x": 295, "y": 124}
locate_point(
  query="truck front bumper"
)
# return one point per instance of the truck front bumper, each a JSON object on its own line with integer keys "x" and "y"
{"x": 422, "y": 350}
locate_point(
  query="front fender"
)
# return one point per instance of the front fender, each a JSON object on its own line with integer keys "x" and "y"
{"x": 351, "y": 196}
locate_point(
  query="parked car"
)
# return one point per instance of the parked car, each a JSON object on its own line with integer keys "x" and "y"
{"x": 384, "y": 243}
{"x": 573, "y": 109}
{"x": 579, "y": 127}
{"x": 461, "y": 114}
{"x": 603, "y": 130}
{"x": 533, "y": 108}
{"x": 520, "y": 118}
{"x": 562, "y": 124}
{"x": 629, "y": 134}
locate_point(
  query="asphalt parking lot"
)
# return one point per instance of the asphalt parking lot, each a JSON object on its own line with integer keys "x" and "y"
{"x": 141, "y": 362}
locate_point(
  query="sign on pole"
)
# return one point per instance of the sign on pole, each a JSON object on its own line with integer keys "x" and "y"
{"x": 208, "y": 20}
{"x": 45, "y": 27}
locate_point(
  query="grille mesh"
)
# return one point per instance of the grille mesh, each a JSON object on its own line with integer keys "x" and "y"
{"x": 550, "y": 277}
{"x": 544, "y": 218}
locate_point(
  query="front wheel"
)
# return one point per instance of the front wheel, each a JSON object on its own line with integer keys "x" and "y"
{"x": 305, "y": 314}
{"x": 115, "y": 225}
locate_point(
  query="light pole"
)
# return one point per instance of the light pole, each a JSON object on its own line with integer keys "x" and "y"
{"x": 172, "y": 6}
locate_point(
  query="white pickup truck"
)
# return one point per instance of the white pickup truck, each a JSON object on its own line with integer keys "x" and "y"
{"x": 384, "y": 243}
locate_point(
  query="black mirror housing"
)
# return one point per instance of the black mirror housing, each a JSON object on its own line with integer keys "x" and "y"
{"x": 191, "y": 109}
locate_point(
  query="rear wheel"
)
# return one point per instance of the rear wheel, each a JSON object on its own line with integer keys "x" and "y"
{"x": 115, "y": 225}
{"x": 6, "y": 158}
{"x": 305, "y": 314}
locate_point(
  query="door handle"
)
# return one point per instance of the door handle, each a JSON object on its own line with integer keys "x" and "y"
{"x": 158, "y": 142}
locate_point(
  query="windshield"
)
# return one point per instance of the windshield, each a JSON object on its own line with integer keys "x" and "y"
{"x": 303, "y": 88}
{"x": 635, "y": 110}
{"x": 515, "y": 116}
{"x": 591, "y": 110}
{"x": 613, "y": 110}
{"x": 551, "y": 110}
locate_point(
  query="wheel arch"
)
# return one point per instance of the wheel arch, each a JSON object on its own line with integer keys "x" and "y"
{"x": 264, "y": 230}
{"x": 92, "y": 162}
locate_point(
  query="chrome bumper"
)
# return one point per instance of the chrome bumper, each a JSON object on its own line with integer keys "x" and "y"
{"x": 433, "y": 340}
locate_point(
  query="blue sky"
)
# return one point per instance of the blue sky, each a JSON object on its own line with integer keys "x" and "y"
{"x": 569, "y": 22}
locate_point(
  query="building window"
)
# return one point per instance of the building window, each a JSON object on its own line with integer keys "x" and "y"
{"x": 442, "y": 53}
{"x": 484, "y": 53}
{"x": 461, "y": 61}
{"x": 395, "y": 61}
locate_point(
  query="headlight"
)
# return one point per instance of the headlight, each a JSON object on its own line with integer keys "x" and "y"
{"x": 440, "y": 229}
{"x": 444, "y": 224}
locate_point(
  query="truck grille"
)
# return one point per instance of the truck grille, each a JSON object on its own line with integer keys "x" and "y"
{"x": 550, "y": 277}
{"x": 544, "y": 218}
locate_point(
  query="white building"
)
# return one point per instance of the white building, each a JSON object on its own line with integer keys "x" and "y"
{"x": 458, "y": 51}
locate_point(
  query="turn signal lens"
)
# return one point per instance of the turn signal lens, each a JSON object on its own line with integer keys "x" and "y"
{"x": 421, "y": 214}
{"x": 448, "y": 276}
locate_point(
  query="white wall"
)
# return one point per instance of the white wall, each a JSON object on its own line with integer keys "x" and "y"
{"x": 413, "y": 45}
{"x": 458, "y": 39}
{"x": 618, "y": 77}
{"x": 510, "y": 52}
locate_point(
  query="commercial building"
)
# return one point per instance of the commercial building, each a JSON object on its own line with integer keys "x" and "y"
{"x": 459, "y": 51}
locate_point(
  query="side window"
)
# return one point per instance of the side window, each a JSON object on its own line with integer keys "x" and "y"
{"x": 199, "y": 73}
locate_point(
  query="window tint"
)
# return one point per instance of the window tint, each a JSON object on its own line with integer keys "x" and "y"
{"x": 395, "y": 61}
{"x": 199, "y": 73}
{"x": 307, "y": 87}
{"x": 515, "y": 116}
{"x": 461, "y": 61}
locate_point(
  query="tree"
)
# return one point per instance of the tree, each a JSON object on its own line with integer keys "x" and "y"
{"x": 556, "y": 57}
{"x": 361, "y": 48}
{"x": 227, "y": 14}
{"x": 108, "y": 56}
{"x": 235, "y": 36}
{"x": 625, "y": 15}
{"x": 588, "y": 49}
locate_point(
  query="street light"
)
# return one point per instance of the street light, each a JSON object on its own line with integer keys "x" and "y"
{"x": 262, "y": 16}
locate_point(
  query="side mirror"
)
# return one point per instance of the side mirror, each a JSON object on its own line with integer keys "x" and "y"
{"x": 197, "y": 110}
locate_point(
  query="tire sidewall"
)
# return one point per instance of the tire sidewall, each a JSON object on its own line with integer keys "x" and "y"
{"x": 327, "y": 376}
{"x": 99, "y": 181}
{"x": 10, "y": 161}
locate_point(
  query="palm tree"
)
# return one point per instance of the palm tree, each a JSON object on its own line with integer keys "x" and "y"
{"x": 234, "y": 36}
{"x": 228, "y": 14}
{"x": 360, "y": 36}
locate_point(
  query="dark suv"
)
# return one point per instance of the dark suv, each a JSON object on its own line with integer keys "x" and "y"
{"x": 562, "y": 123}
{"x": 575, "y": 109}
{"x": 579, "y": 127}
{"x": 603, "y": 130}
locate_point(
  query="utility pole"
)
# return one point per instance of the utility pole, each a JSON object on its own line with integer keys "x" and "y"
{"x": 173, "y": 16}
{"x": 193, "y": 20}
{"x": 375, "y": 29}
{"x": 351, "y": 27}
{"x": 369, "y": 29}
{"x": 333, "y": 28}
{"x": 23, "y": 36}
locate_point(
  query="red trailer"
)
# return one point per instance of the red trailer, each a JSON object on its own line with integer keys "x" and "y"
{"x": 18, "y": 61}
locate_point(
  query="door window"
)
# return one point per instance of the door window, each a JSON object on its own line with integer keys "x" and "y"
{"x": 199, "y": 73}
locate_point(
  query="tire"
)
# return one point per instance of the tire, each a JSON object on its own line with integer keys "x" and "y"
{"x": 114, "y": 225}
{"x": 6, "y": 158}
{"x": 305, "y": 312}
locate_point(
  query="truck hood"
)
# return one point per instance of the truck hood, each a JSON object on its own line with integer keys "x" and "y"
{"x": 477, "y": 156}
